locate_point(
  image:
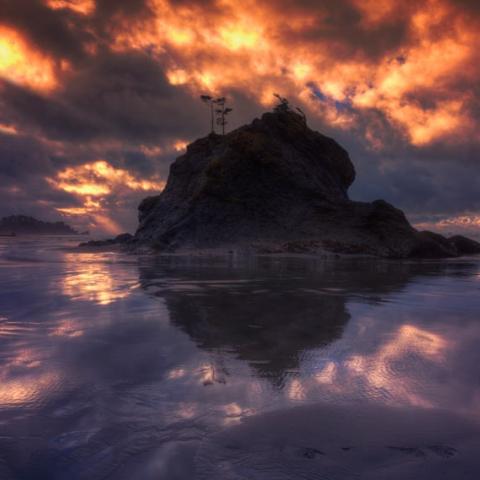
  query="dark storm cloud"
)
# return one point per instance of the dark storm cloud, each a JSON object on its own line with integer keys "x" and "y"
{"x": 120, "y": 96}
{"x": 48, "y": 116}
{"x": 24, "y": 165}
{"x": 342, "y": 23}
{"x": 22, "y": 156}
{"x": 57, "y": 32}
{"x": 129, "y": 92}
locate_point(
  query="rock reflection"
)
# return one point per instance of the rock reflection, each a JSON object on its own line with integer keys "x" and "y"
{"x": 271, "y": 312}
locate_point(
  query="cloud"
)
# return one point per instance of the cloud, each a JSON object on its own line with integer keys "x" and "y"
{"x": 98, "y": 185}
{"x": 395, "y": 82}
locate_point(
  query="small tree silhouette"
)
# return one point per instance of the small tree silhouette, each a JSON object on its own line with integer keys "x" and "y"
{"x": 208, "y": 100}
{"x": 222, "y": 111}
{"x": 283, "y": 104}
{"x": 302, "y": 113}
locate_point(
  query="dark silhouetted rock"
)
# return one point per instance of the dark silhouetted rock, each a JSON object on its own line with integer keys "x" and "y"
{"x": 464, "y": 245}
{"x": 122, "y": 239}
{"x": 275, "y": 185}
{"x": 25, "y": 225}
{"x": 433, "y": 245}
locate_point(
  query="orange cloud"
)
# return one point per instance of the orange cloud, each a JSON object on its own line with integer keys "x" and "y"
{"x": 94, "y": 184}
{"x": 8, "y": 129}
{"x": 99, "y": 178}
{"x": 84, "y": 7}
{"x": 246, "y": 46}
{"x": 20, "y": 63}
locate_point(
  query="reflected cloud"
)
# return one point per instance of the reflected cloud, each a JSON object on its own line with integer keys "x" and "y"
{"x": 389, "y": 367}
{"x": 26, "y": 390}
{"x": 67, "y": 328}
{"x": 89, "y": 279}
{"x": 23, "y": 379}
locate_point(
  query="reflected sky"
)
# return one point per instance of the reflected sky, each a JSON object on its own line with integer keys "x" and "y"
{"x": 116, "y": 366}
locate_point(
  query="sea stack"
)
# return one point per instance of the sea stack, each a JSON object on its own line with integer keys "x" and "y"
{"x": 276, "y": 185}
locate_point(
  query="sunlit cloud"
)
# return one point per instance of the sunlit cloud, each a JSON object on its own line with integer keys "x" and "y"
{"x": 93, "y": 184}
{"x": 99, "y": 178}
{"x": 180, "y": 145}
{"x": 21, "y": 63}
{"x": 84, "y": 7}
{"x": 8, "y": 129}
{"x": 245, "y": 48}
{"x": 468, "y": 224}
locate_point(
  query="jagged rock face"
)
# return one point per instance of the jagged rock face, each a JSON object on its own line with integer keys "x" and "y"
{"x": 274, "y": 181}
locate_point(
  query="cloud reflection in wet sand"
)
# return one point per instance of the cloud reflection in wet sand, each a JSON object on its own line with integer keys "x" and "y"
{"x": 91, "y": 280}
{"x": 391, "y": 365}
{"x": 154, "y": 371}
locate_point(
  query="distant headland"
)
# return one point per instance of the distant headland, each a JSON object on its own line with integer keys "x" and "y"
{"x": 26, "y": 225}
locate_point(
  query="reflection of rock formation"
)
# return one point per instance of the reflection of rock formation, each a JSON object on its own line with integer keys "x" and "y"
{"x": 269, "y": 313}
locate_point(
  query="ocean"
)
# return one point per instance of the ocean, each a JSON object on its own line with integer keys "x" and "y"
{"x": 115, "y": 366}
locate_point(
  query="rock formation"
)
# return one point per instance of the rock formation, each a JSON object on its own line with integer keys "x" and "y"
{"x": 276, "y": 185}
{"x": 25, "y": 225}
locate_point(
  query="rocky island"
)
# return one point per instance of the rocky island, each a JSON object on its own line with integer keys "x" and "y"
{"x": 277, "y": 186}
{"x": 25, "y": 225}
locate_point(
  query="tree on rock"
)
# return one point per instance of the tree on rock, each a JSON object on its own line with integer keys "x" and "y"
{"x": 208, "y": 100}
{"x": 222, "y": 111}
{"x": 283, "y": 104}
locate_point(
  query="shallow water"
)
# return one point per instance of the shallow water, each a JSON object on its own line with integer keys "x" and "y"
{"x": 123, "y": 367}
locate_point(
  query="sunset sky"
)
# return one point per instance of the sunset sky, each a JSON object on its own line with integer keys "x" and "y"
{"x": 97, "y": 97}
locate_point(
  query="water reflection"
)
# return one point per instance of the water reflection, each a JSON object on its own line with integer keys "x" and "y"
{"x": 272, "y": 313}
{"x": 89, "y": 278}
{"x": 100, "y": 379}
{"x": 409, "y": 350}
